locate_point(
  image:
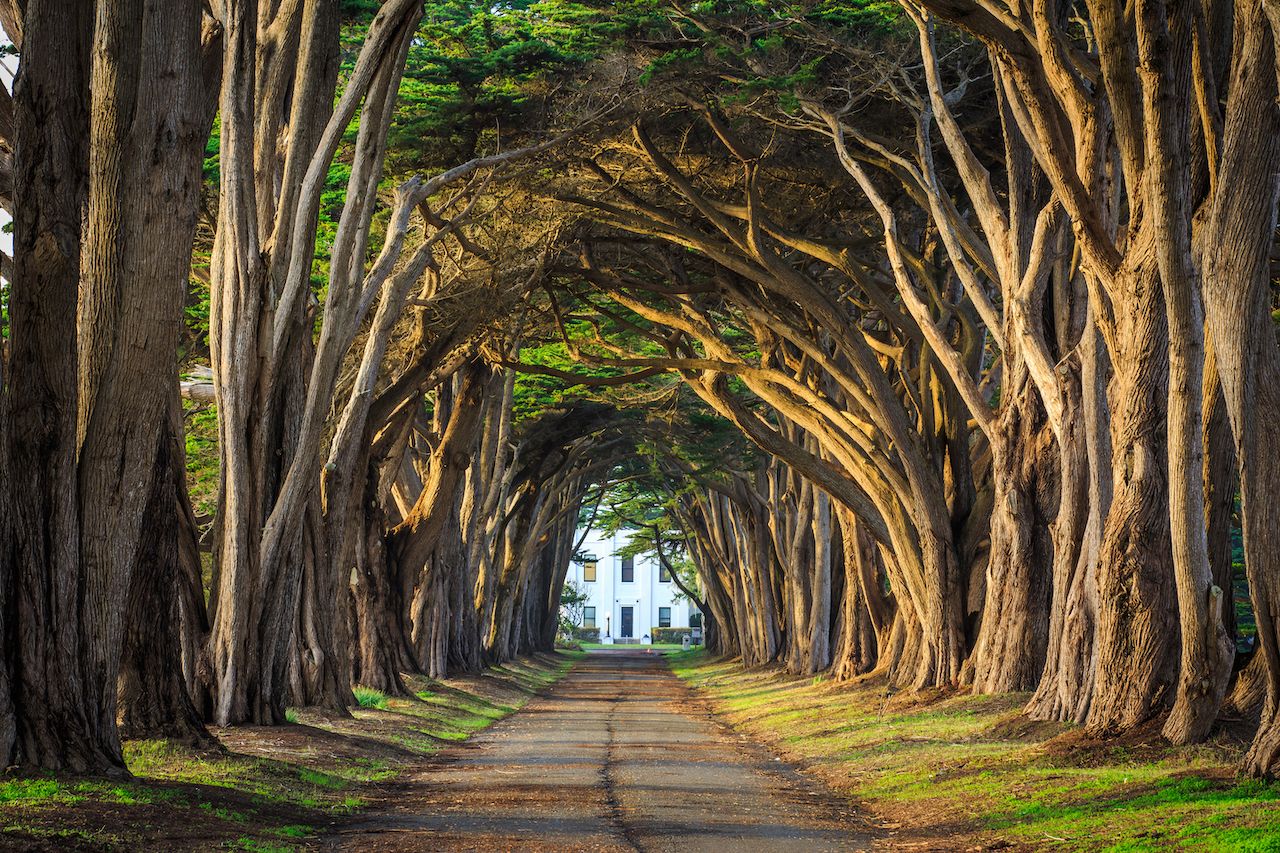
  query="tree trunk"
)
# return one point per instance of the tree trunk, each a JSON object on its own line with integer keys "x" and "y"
{"x": 1237, "y": 306}
{"x": 864, "y": 616}
{"x": 1066, "y": 686}
{"x": 153, "y": 698}
{"x": 57, "y": 722}
{"x": 1014, "y": 636}
{"x": 1137, "y": 666}
{"x": 146, "y": 136}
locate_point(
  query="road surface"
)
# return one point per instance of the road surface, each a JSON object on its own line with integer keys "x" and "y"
{"x": 617, "y": 756}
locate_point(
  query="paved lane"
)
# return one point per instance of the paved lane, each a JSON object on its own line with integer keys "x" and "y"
{"x": 615, "y": 757}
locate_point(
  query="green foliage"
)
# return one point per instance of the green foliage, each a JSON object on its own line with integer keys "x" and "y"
{"x": 673, "y": 635}
{"x": 202, "y": 457}
{"x": 482, "y": 72}
{"x": 573, "y": 598}
{"x": 370, "y": 698}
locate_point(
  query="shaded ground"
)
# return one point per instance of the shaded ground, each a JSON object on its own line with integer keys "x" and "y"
{"x": 617, "y": 756}
{"x": 273, "y": 789}
{"x": 949, "y": 771}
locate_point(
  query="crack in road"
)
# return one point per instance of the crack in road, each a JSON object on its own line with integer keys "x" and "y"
{"x": 617, "y": 816}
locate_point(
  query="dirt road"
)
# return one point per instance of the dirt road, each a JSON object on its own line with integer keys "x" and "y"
{"x": 615, "y": 757}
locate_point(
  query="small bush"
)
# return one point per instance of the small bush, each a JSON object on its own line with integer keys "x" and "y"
{"x": 370, "y": 698}
{"x": 669, "y": 635}
{"x": 586, "y": 635}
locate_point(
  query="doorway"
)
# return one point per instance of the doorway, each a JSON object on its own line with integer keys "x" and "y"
{"x": 626, "y": 629}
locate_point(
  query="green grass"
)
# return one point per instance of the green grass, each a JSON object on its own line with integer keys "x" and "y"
{"x": 370, "y": 698}
{"x": 440, "y": 714}
{"x": 931, "y": 764}
{"x": 36, "y": 791}
{"x": 268, "y": 781}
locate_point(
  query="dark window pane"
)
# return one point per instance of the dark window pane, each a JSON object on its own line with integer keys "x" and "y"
{"x": 664, "y": 617}
{"x": 628, "y": 569}
{"x": 664, "y": 576}
{"x": 588, "y": 617}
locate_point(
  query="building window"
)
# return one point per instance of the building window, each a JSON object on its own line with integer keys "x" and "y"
{"x": 664, "y": 617}
{"x": 589, "y": 571}
{"x": 588, "y": 617}
{"x": 695, "y": 619}
{"x": 628, "y": 569}
{"x": 664, "y": 576}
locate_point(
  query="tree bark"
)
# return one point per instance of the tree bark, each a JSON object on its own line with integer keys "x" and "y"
{"x": 56, "y": 725}
{"x": 154, "y": 700}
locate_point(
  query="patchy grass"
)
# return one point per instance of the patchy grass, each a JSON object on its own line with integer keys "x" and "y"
{"x": 367, "y": 697}
{"x": 938, "y": 768}
{"x": 272, "y": 788}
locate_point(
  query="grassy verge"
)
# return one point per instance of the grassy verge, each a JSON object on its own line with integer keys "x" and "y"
{"x": 949, "y": 772}
{"x": 273, "y": 788}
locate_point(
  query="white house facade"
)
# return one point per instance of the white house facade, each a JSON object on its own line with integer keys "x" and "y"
{"x": 627, "y": 597}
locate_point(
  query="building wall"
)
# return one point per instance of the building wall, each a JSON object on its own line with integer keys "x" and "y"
{"x": 608, "y": 594}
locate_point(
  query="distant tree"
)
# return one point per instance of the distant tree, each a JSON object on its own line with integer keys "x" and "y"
{"x": 573, "y": 599}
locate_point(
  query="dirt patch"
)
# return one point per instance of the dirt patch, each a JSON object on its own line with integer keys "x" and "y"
{"x": 1020, "y": 728}
{"x": 1079, "y": 748}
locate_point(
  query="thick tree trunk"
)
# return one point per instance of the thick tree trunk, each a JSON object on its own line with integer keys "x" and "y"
{"x": 382, "y": 646}
{"x": 818, "y": 637}
{"x": 111, "y": 385}
{"x": 1137, "y": 666}
{"x": 1165, "y": 36}
{"x": 865, "y": 617}
{"x": 1237, "y": 307}
{"x": 1014, "y": 637}
{"x": 153, "y": 698}
{"x": 1066, "y": 686}
{"x": 57, "y": 723}
{"x": 322, "y": 659}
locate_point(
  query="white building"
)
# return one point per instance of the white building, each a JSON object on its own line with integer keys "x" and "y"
{"x": 627, "y": 597}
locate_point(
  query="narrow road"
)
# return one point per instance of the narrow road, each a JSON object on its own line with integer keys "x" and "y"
{"x": 615, "y": 757}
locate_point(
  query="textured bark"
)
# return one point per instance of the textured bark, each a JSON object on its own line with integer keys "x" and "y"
{"x": 382, "y": 646}
{"x": 866, "y": 615}
{"x": 154, "y": 701}
{"x": 113, "y": 379}
{"x": 1237, "y": 307}
{"x": 1010, "y": 651}
{"x": 280, "y": 130}
{"x": 1137, "y": 666}
{"x": 258, "y": 414}
{"x": 1164, "y": 49}
{"x": 57, "y": 724}
{"x": 1066, "y": 686}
